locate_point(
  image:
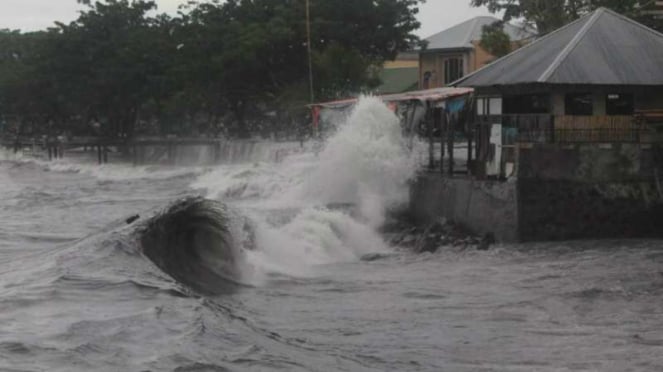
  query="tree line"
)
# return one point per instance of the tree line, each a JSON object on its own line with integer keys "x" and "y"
{"x": 235, "y": 67}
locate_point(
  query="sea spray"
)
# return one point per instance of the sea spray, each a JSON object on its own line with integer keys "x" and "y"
{"x": 84, "y": 164}
{"x": 324, "y": 207}
{"x": 120, "y": 172}
{"x": 366, "y": 163}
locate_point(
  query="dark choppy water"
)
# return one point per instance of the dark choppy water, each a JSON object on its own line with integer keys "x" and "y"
{"x": 77, "y": 295}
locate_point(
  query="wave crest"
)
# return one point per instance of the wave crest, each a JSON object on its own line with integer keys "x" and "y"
{"x": 195, "y": 241}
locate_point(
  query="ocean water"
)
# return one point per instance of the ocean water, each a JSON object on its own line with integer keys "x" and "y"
{"x": 78, "y": 291}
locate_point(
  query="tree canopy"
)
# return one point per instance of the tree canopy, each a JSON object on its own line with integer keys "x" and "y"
{"x": 548, "y": 15}
{"x": 215, "y": 66}
{"x": 494, "y": 40}
{"x": 545, "y": 16}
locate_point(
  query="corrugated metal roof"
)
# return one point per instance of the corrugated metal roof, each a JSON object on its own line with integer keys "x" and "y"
{"x": 461, "y": 35}
{"x": 603, "y": 48}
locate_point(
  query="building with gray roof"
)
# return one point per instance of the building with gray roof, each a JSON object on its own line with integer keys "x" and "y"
{"x": 602, "y": 48}
{"x": 463, "y": 35}
{"x": 573, "y": 125}
{"x": 599, "y": 75}
{"x": 456, "y": 51}
{"x": 598, "y": 80}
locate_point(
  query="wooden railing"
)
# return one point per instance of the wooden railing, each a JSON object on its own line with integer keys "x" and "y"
{"x": 595, "y": 129}
{"x": 572, "y": 129}
{"x": 525, "y": 130}
{"x": 594, "y": 122}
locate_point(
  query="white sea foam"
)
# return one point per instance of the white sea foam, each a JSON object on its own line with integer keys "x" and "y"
{"x": 324, "y": 207}
{"x": 8, "y": 155}
{"x": 120, "y": 172}
{"x": 366, "y": 163}
{"x": 190, "y": 159}
{"x": 308, "y": 207}
{"x": 103, "y": 172}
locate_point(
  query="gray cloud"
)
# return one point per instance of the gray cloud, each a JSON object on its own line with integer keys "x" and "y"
{"x": 437, "y": 15}
{"x": 31, "y": 15}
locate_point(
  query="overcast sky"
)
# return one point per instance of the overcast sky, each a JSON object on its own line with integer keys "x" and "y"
{"x": 30, "y": 15}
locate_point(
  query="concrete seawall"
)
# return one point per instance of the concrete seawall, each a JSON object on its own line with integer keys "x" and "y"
{"x": 589, "y": 191}
{"x": 561, "y": 192}
{"x": 480, "y": 206}
{"x": 562, "y": 210}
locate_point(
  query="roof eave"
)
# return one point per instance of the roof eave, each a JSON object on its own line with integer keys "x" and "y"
{"x": 446, "y": 50}
{"x": 563, "y": 84}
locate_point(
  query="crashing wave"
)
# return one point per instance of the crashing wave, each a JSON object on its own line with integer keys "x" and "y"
{"x": 199, "y": 242}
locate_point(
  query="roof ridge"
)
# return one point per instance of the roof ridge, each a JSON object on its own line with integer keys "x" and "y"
{"x": 519, "y": 50}
{"x": 470, "y": 31}
{"x": 449, "y": 28}
{"x": 471, "y": 20}
{"x": 570, "y": 47}
{"x": 632, "y": 21}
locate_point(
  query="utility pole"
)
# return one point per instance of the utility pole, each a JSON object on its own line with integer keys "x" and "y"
{"x": 308, "y": 46}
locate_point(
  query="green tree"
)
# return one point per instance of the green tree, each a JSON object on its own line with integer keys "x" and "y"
{"x": 351, "y": 38}
{"x": 548, "y": 15}
{"x": 114, "y": 48}
{"x": 257, "y": 50}
{"x": 214, "y": 66}
{"x": 494, "y": 40}
{"x": 27, "y": 93}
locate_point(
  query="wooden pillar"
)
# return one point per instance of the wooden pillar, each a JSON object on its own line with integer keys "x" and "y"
{"x": 443, "y": 134}
{"x": 552, "y": 129}
{"x": 105, "y": 154}
{"x": 450, "y": 143}
{"x": 431, "y": 142}
{"x": 411, "y": 110}
{"x": 437, "y": 123}
{"x": 477, "y": 138}
{"x": 171, "y": 153}
{"x": 470, "y": 137}
{"x": 99, "y": 157}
